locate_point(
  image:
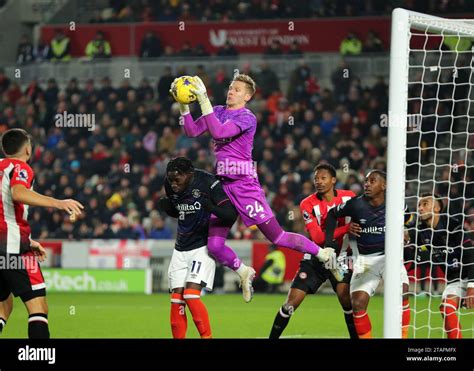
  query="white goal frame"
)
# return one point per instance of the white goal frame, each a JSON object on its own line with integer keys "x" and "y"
{"x": 402, "y": 21}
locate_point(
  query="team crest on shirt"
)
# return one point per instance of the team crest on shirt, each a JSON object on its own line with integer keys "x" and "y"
{"x": 196, "y": 193}
{"x": 306, "y": 217}
{"x": 22, "y": 175}
{"x": 303, "y": 275}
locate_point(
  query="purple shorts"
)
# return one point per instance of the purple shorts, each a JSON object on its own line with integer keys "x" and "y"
{"x": 248, "y": 197}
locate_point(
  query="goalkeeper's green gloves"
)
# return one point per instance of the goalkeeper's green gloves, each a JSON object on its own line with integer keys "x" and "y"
{"x": 199, "y": 89}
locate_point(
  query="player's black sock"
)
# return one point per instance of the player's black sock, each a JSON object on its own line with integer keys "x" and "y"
{"x": 281, "y": 321}
{"x": 348, "y": 316}
{"x": 38, "y": 326}
{"x": 3, "y": 322}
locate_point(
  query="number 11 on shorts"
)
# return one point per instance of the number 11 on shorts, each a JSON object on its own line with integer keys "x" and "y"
{"x": 196, "y": 265}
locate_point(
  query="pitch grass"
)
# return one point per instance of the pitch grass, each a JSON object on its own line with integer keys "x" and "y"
{"x": 147, "y": 316}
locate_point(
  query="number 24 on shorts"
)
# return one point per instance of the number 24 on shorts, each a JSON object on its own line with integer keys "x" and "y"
{"x": 253, "y": 211}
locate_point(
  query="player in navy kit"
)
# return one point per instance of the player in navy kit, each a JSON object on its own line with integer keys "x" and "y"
{"x": 192, "y": 196}
{"x": 450, "y": 248}
{"x": 368, "y": 211}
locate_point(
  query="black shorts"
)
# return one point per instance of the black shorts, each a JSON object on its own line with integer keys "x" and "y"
{"x": 22, "y": 276}
{"x": 312, "y": 274}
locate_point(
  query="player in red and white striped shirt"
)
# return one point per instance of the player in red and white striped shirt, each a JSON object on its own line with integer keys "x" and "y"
{"x": 312, "y": 273}
{"x": 25, "y": 279}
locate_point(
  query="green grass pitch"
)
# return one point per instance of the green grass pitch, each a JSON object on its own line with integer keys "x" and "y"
{"x": 147, "y": 316}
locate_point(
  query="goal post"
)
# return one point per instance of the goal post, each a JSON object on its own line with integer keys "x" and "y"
{"x": 406, "y": 65}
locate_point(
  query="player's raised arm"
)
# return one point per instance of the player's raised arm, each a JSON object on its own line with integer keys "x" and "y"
{"x": 217, "y": 129}
{"x": 192, "y": 128}
{"x": 341, "y": 210}
{"x": 26, "y": 196}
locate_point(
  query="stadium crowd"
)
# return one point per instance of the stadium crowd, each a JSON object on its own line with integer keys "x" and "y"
{"x": 117, "y": 170}
{"x": 238, "y": 10}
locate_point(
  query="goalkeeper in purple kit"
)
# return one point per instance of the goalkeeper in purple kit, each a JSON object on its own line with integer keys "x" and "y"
{"x": 233, "y": 128}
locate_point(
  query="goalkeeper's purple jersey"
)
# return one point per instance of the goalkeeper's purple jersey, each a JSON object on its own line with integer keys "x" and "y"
{"x": 234, "y": 155}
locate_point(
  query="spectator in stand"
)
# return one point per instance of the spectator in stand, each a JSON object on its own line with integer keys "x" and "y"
{"x": 126, "y": 15}
{"x": 186, "y": 50}
{"x": 328, "y": 124}
{"x": 219, "y": 86}
{"x": 163, "y": 87}
{"x": 168, "y": 52}
{"x": 341, "y": 79}
{"x": 41, "y": 51}
{"x": 51, "y": 93}
{"x": 24, "y": 54}
{"x": 274, "y": 50}
{"x": 302, "y": 84}
{"x": 351, "y": 45}
{"x": 4, "y": 81}
{"x": 372, "y": 43}
{"x": 228, "y": 50}
{"x": 147, "y": 14}
{"x": 186, "y": 15}
{"x": 145, "y": 91}
{"x": 159, "y": 231}
{"x": 267, "y": 80}
{"x": 200, "y": 51}
{"x": 98, "y": 47}
{"x": 294, "y": 51}
{"x": 151, "y": 46}
{"x": 106, "y": 89}
{"x": 97, "y": 17}
{"x": 60, "y": 47}
{"x": 166, "y": 15}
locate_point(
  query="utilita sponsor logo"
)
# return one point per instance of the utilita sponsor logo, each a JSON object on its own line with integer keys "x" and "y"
{"x": 187, "y": 207}
{"x": 37, "y": 354}
{"x": 374, "y": 230}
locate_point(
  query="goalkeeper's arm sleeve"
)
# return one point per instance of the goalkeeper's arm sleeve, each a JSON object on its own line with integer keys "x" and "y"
{"x": 194, "y": 128}
{"x": 220, "y": 130}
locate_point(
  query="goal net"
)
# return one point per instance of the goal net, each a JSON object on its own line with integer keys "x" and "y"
{"x": 430, "y": 151}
